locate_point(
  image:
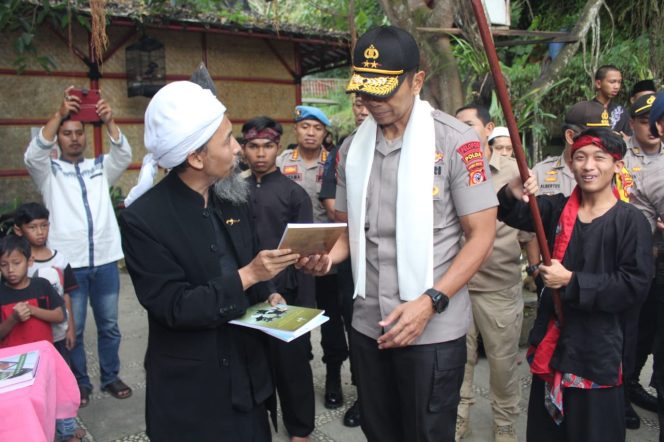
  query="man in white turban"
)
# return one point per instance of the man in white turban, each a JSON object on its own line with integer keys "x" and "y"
{"x": 192, "y": 258}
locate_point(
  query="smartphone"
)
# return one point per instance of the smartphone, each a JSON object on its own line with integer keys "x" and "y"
{"x": 88, "y": 110}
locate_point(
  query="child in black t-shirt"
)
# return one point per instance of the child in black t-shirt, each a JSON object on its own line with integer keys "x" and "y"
{"x": 28, "y": 306}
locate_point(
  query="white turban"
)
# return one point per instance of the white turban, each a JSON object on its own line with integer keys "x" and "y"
{"x": 180, "y": 118}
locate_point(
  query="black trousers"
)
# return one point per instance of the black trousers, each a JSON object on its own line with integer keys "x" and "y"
{"x": 410, "y": 393}
{"x": 647, "y": 329}
{"x": 333, "y": 336}
{"x": 346, "y": 289}
{"x": 657, "y": 380}
{"x": 295, "y": 384}
{"x": 590, "y": 416}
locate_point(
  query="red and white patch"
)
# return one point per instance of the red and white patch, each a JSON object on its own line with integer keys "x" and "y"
{"x": 473, "y": 158}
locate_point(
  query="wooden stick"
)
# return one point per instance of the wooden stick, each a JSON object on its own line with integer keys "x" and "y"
{"x": 501, "y": 90}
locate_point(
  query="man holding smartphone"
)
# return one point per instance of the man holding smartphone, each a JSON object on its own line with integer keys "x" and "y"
{"x": 84, "y": 228}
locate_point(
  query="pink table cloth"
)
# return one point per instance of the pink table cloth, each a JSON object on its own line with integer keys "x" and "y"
{"x": 28, "y": 414}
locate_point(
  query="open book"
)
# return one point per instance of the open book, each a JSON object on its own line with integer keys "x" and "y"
{"x": 285, "y": 322}
{"x": 18, "y": 371}
{"x": 311, "y": 239}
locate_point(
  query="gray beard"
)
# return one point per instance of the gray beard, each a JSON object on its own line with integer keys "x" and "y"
{"x": 234, "y": 188}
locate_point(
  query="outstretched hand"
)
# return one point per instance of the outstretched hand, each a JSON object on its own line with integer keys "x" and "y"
{"x": 316, "y": 265}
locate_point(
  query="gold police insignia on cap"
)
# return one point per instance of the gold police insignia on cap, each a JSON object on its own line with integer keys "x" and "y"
{"x": 650, "y": 100}
{"x": 232, "y": 222}
{"x": 605, "y": 118}
{"x": 371, "y": 53}
{"x": 298, "y": 113}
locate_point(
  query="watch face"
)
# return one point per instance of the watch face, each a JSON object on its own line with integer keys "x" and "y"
{"x": 438, "y": 299}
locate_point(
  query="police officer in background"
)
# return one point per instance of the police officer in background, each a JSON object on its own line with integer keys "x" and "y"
{"x": 644, "y": 152}
{"x": 477, "y": 117}
{"x": 642, "y": 87}
{"x": 496, "y": 299}
{"x": 649, "y": 198}
{"x": 328, "y": 192}
{"x": 305, "y": 165}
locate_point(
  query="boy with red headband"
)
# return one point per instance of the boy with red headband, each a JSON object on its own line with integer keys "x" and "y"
{"x": 601, "y": 268}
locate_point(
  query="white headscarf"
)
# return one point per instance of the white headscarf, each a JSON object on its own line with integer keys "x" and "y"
{"x": 180, "y": 118}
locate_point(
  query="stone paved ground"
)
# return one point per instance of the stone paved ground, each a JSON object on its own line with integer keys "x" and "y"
{"x": 109, "y": 419}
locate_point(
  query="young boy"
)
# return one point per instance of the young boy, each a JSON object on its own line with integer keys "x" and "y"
{"x": 28, "y": 306}
{"x": 31, "y": 222}
{"x": 601, "y": 267}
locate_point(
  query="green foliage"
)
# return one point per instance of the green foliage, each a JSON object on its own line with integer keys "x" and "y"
{"x": 117, "y": 199}
{"x": 7, "y": 216}
{"x": 628, "y": 55}
{"x": 328, "y": 14}
{"x": 23, "y": 19}
{"x": 340, "y": 114}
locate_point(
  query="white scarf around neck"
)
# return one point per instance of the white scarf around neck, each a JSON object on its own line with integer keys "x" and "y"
{"x": 414, "y": 214}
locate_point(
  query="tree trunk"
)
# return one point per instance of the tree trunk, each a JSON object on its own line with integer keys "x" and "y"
{"x": 588, "y": 15}
{"x": 443, "y": 83}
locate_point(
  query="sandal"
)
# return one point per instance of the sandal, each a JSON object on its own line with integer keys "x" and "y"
{"x": 118, "y": 389}
{"x": 85, "y": 397}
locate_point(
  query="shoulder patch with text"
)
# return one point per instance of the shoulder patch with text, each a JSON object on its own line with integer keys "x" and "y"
{"x": 471, "y": 154}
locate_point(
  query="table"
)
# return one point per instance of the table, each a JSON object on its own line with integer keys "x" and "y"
{"x": 29, "y": 414}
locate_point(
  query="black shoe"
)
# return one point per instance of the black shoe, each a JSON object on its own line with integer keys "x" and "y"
{"x": 333, "y": 399}
{"x": 333, "y": 396}
{"x": 639, "y": 396}
{"x": 352, "y": 416}
{"x": 632, "y": 420}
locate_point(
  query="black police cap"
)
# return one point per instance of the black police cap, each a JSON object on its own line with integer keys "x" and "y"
{"x": 382, "y": 58}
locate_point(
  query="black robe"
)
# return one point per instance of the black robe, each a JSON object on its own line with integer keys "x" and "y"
{"x": 203, "y": 375}
{"x": 611, "y": 261}
{"x": 276, "y": 201}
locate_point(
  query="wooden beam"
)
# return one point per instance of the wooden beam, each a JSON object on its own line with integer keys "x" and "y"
{"x": 536, "y": 41}
{"x": 500, "y": 32}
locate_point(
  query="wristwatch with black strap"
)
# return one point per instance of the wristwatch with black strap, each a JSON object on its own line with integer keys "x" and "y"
{"x": 531, "y": 269}
{"x": 439, "y": 299}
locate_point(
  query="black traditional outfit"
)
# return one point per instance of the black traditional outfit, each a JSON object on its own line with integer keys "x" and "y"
{"x": 611, "y": 262}
{"x": 276, "y": 201}
{"x": 206, "y": 380}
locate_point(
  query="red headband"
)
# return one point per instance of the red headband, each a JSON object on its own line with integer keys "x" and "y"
{"x": 586, "y": 140}
{"x": 266, "y": 134}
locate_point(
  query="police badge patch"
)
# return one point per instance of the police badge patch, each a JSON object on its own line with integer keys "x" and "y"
{"x": 471, "y": 154}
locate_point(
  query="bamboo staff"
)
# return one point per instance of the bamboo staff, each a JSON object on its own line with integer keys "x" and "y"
{"x": 520, "y": 156}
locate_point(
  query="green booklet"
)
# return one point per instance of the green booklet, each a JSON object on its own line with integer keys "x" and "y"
{"x": 18, "y": 371}
{"x": 285, "y": 322}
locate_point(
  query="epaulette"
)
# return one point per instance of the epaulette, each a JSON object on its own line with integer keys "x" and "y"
{"x": 448, "y": 120}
